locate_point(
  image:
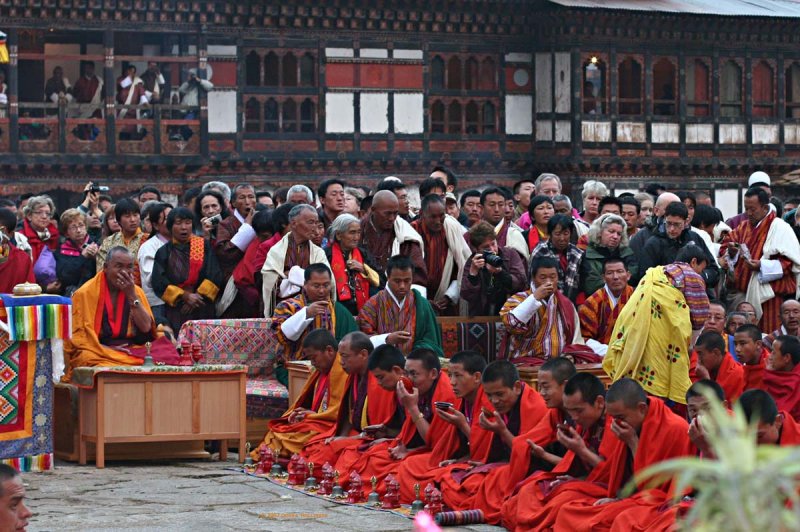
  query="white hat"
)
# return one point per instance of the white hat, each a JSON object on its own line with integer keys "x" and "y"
{"x": 759, "y": 178}
{"x": 450, "y": 197}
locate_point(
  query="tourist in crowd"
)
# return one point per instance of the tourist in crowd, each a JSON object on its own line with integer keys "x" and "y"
{"x": 210, "y": 209}
{"x": 559, "y": 246}
{"x": 352, "y": 200}
{"x": 646, "y": 203}
{"x": 652, "y": 223}
{"x": 90, "y": 206}
{"x": 608, "y": 238}
{"x": 493, "y": 205}
{"x": 75, "y": 258}
{"x": 222, "y": 189}
{"x": 592, "y": 193}
{"x": 42, "y": 234}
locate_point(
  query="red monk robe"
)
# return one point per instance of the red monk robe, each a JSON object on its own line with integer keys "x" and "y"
{"x": 377, "y": 407}
{"x": 655, "y": 515}
{"x": 730, "y": 375}
{"x": 424, "y": 468}
{"x": 664, "y": 435}
{"x": 754, "y": 373}
{"x": 484, "y": 488}
{"x": 784, "y": 387}
{"x": 323, "y": 394}
{"x": 16, "y": 269}
{"x": 376, "y": 460}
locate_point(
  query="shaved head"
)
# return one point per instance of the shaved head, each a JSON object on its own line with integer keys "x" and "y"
{"x": 627, "y": 391}
{"x": 384, "y": 198}
{"x": 663, "y": 200}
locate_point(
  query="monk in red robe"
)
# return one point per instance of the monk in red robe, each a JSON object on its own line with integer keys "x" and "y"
{"x": 366, "y": 411}
{"x": 775, "y": 426}
{"x": 752, "y": 354}
{"x": 584, "y": 401}
{"x": 517, "y": 408}
{"x": 316, "y": 409}
{"x": 643, "y": 432}
{"x": 15, "y": 266}
{"x": 418, "y": 394}
{"x": 782, "y": 376}
{"x": 465, "y": 440}
{"x": 716, "y": 364}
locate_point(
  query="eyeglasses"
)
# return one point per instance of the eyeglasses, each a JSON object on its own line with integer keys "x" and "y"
{"x": 43, "y": 214}
{"x": 76, "y": 227}
{"x": 675, "y": 225}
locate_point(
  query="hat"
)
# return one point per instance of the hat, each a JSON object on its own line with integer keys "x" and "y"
{"x": 759, "y": 178}
{"x": 450, "y": 197}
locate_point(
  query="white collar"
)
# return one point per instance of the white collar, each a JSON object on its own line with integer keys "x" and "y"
{"x": 238, "y": 216}
{"x": 614, "y": 300}
{"x": 394, "y": 298}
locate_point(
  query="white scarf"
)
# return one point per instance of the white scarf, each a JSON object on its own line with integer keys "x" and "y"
{"x": 781, "y": 240}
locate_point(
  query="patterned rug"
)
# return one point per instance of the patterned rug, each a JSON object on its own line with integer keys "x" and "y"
{"x": 484, "y": 338}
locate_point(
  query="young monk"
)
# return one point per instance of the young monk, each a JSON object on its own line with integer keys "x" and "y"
{"x": 643, "y": 432}
{"x": 366, "y": 406}
{"x": 774, "y": 427}
{"x": 516, "y": 408}
{"x": 584, "y": 401}
{"x": 535, "y": 450}
{"x": 420, "y": 428}
{"x": 752, "y": 354}
{"x": 317, "y": 407}
{"x": 716, "y": 364}
{"x": 782, "y": 376}
{"x": 464, "y": 439}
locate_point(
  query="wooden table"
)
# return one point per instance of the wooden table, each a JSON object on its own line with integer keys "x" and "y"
{"x": 162, "y": 406}
{"x": 530, "y": 374}
{"x": 299, "y": 370}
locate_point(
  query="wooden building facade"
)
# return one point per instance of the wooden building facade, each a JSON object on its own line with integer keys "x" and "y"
{"x": 622, "y": 91}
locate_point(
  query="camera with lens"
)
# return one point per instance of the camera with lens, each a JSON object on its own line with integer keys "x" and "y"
{"x": 214, "y": 220}
{"x": 98, "y": 188}
{"x": 493, "y": 259}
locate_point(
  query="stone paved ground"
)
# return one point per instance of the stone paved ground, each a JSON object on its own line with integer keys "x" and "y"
{"x": 194, "y": 495}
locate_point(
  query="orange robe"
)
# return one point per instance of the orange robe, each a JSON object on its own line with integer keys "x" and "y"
{"x": 784, "y": 387}
{"x": 664, "y": 435}
{"x": 378, "y": 407}
{"x": 537, "y": 490}
{"x": 424, "y": 468}
{"x": 84, "y": 348}
{"x": 730, "y": 375}
{"x": 754, "y": 373}
{"x": 376, "y": 460}
{"x": 486, "y": 487}
{"x": 323, "y": 394}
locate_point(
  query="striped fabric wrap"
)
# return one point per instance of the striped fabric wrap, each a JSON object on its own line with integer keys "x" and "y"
{"x": 35, "y": 463}
{"x": 460, "y": 518}
{"x": 38, "y": 317}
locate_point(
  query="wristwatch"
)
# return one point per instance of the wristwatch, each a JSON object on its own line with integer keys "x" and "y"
{"x": 136, "y": 302}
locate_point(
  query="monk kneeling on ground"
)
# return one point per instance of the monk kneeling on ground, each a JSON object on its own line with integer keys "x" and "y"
{"x": 775, "y": 427}
{"x": 782, "y": 377}
{"x": 316, "y": 409}
{"x": 716, "y": 364}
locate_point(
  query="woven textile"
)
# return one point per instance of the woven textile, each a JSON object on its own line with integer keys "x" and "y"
{"x": 236, "y": 341}
{"x": 38, "y": 317}
{"x": 266, "y": 398}
{"x": 485, "y": 338}
{"x": 26, "y": 404}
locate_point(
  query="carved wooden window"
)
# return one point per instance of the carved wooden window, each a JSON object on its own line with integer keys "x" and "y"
{"x": 629, "y": 86}
{"x": 289, "y": 118}
{"x": 307, "y": 116}
{"x": 489, "y": 123}
{"x": 488, "y": 76}
{"x": 252, "y": 116}
{"x": 665, "y": 96}
{"x": 763, "y": 89}
{"x": 730, "y": 89}
{"x": 252, "y": 69}
{"x": 793, "y": 90}
{"x": 472, "y": 118}
{"x": 471, "y": 74}
{"x": 437, "y": 72}
{"x": 271, "y": 116}
{"x": 437, "y": 117}
{"x": 698, "y": 88}
{"x": 594, "y": 86}
{"x": 271, "y": 70}
{"x": 307, "y": 70}
{"x": 289, "y": 68}
{"x": 454, "y": 73}
{"x": 454, "y": 117}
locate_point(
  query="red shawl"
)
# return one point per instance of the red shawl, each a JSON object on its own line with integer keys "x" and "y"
{"x": 730, "y": 376}
{"x": 17, "y": 269}
{"x": 340, "y": 275}
{"x": 754, "y": 373}
{"x": 784, "y": 387}
{"x": 37, "y": 244}
{"x": 790, "y": 430}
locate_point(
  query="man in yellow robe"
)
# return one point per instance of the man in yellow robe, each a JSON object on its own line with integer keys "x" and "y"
{"x": 316, "y": 410}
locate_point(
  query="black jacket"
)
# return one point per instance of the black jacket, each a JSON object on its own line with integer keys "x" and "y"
{"x": 661, "y": 250}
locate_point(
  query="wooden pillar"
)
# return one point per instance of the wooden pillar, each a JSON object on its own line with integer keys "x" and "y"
{"x": 748, "y": 102}
{"x": 13, "y": 90}
{"x": 111, "y": 89}
{"x": 202, "y": 63}
{"x": 715, "y": 91}
{"x": 577, "y": 109}
{"x": 781, "y": 104}
{"x": 241, "y": 81}
{"x": 649, "y": 96}
{"x": 613, "y": 108}
{"x": 682, "y": 97}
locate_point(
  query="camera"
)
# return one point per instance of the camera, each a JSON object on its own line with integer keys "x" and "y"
{"x": 215, "y": 219}
{"x": 98, "y": 188}
{"x": 493, "y": 259}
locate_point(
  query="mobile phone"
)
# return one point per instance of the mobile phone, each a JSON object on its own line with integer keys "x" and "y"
{"x": 443, "y": 405}
{"x": 374, "y": 428}
{"x": 488, "y": 413}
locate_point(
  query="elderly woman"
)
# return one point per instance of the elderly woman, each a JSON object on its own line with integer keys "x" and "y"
{"x": 42, "y": 234}
{"x": 75, "y": 258}
{"x": 540, "y": 209}
{"x": 608, "y": 238}
{"x": 209, "y": 204}
{"x": 352, "y": 200}
{"x": 357, "y": 276}
{"x": 592, "y": 193}
{"x": 559, "y": 246}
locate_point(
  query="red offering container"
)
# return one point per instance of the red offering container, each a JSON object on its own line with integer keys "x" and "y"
{"x": 197, "y": 353}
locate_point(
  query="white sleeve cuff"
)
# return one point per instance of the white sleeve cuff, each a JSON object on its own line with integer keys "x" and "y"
{"x": 143, "y": 100}
{"x": 597, "y": 347}
{"x": 161, "y": 80}
{"x": 125, "y": 83}
{"x": 54, "y": 97}
{"x": 453, "y": 291}
{"x": 421, "y": 289}
{"x": 771, "y": 267}
{"x": 378, "y": 340}
{"x": 243, "y": 236}
{"x": 525, "y": 310}
{"x": 294, "y": 326}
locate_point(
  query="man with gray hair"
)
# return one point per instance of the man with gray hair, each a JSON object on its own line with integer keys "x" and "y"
{"x": 300, "y": 194}
{"x": 236, "y": 232}
{"x": 651, "y": 224}
{"x": 549, "y": 185}
{"x": 284, "y": 268}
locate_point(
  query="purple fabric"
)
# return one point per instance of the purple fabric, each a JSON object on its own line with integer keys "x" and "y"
{"x": 45, "y": 268}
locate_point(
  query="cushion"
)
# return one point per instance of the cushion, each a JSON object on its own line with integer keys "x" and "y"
{"x": 266, "y": 398}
